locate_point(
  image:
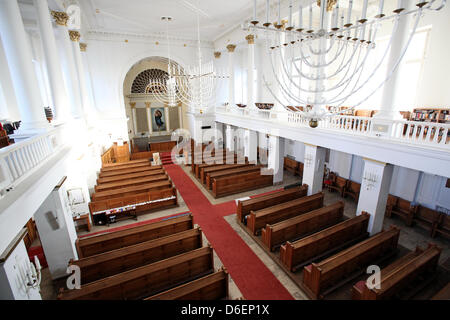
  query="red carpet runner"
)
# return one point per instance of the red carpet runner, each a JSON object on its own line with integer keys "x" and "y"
{"x": 253, "y": 278}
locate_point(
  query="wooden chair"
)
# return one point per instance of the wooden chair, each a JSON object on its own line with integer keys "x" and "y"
{"x": 443, "y": 226}
{"x": 337, "y": 183}
{"x": 401, "y": 208}
{"x": 427, "y": 219}
{"x": 352, "y": 189}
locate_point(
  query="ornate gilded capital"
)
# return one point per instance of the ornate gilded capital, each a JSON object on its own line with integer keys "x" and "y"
{"x": 132, "y": 105}
{"x": 231, "y": 47}
{"x": 83, "y": 46}
{"x": 147, "y": 104}
{"x": 60, "y": 17}
{"x": 74, "y": 35}
{"x": 250, "y": 39}
{"x": 330, "y": 4}
{"x": 217, "y": 54}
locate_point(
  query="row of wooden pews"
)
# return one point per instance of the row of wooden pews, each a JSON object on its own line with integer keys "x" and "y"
{"x": 161, "y": 260}
{"x": 224, "y": 173}
{"x": 323, "y": 251}
{"x": 130, "y": 188}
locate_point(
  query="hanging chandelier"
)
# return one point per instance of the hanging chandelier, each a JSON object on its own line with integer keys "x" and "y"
{"x": 332, "y": 57}
{"x": 192, "y": 85}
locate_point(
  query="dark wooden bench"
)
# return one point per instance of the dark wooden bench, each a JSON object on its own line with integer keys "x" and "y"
{"x": 337, "y": 183}
{"x": 207, "y": 170}
{"x": 400, "y": 207}
{"x": 443, "y": 226}
{"x": 295, "y": 255}
{"x": 274, "y": 235}
{"x": 259, "y": 218}
{"x": 291, "y": 165}
{"x": 125, "y": 166}
{"x": 329, "y": 274}
{"x": 352, "y": 189}
{"x": 147, "y": 280}
{"x": 230, "y": 172}
{"x": 245, "y": 181}
{"x": 211, "y": 164}
{"x": 112, "y": 262}
{"x": 97, "y": 244}
{"x": 443, "y": 294}
{"x": 268, "y": 200}
{"x": 400, "y": 274}
{"x": 426, "y": 218}
{"x": 211, "y": 287}
{"x": 130, "y": 191}
{"x": 141, "y": 202}
{"x": 128, "y": 171}
{"x": 129, "y": 183}
{"x": 130, "y": 176}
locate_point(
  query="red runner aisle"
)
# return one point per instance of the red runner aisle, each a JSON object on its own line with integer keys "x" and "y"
{"x": 253, "y": 278}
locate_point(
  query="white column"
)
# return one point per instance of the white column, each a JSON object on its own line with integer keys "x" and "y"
{"x": 374, "y": 192}
{"x": 180, "y": 114}
{"x": 218, "y": 135}
{"x": 133, "y": 115}
{"x": 251, "y": 145}
{"x": 68, "y": 63}
{"x": 230, "y": 138}
{"x": 275, "y": 159}
{"x": 230, "y": 49}
{"x": 399, "y": 38}
{"x": 313, "y": 168}
{"x": 250, "y": 71}
{"x": 8, "y": 88}
{"x": 54, "y": 69}
{"x": 149, "y": 117}
{"x": 93, "y": 114}
{"x": 19, "y": 57}
{"x": 166, "y": 113}
{"x": 85, "y": 103}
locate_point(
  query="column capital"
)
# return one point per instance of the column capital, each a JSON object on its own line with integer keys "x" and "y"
{"x": 83, "y": 47}
{"x": 250, "y": 39}
{"x": 376, "y": 161}
{"x": 60, "y": 17}
{"x": 231, "y": 47}
{"x": 132, "y": 105}
{"x": 217, "y": 54}
{"x": 74, "y": 35}
{"x": 147, "y": 104}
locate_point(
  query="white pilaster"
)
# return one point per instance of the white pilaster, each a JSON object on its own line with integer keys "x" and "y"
{"x": 149, "y": 117}
{"x": 313, "y": 168}
{"x": 251, "y": 145}
{"x": 276, "y": 158}
{"x": 374, "y": 192}
{"x": 133, "y": 114}
{"x": 250, "y": 71}
{"x": 80, "y": 75}
{"x": 19, "y": 57}
{"x": 229, "y": 138}
{"x": 166, "y": 115}
{"x": 231, "y": 99}
{"x": 54, "y": 69}
{"x": 218, "y": 140}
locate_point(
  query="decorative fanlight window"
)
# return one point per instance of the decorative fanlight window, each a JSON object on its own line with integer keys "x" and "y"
{"x": 149, "y": 81}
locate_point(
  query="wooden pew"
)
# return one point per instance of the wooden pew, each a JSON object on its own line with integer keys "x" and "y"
{"x": 147, "y": 280}
{"x": 443, "y": 226}
{"x": 291, "y": 165}
{"x": 268, "y": 200}
{"x": 112, "y": 262}
{"x": 130, "y": 191}
{"x": 90, "y": 246}
{"x": 129, "y": 183}
{"x": 352, "y": 189}
{"x": 399, "y": 274}
{"x": 143, "y": 202}
{"x": 210, "y": 162}
{"x": 295, "y": 255}
{"x": 426, "y": 218}
{"x": 128, "y": 171}
{"x": 443, "y": 294}
{"x": 274, "y": 235}
{"x": 125, "y": 165}
{"x": 226, "y": 185}
{"x": 130, "y": 176}
{"x": 329, "y": 274}
{"x": 230, "y": 172}
{"x": 211, "y": 287}
{"x": 337, "y": 183}
{"x": 401, "y": 208}
{"x": 207, "y": 170}
{"x": 259, "y": 218}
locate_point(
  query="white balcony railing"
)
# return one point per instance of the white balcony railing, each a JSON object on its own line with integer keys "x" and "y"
{"x": 413, "y": 132}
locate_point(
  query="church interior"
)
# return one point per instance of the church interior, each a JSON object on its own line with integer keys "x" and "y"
{"x": 224, "y": 150}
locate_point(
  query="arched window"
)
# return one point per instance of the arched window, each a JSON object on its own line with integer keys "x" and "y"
{"x": 143, "y": 83}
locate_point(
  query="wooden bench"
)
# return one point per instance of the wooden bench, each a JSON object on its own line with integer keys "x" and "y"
{"x": 259, "y": 218}
{"x": 230, "y": 172}
{"x": 291, "y": 165}
{"x": 274, "y": 235}
{"x": 352, "y": 189}
{"x": 142, "y": 202}
{"x": 443, "y": 294}
{"x": 206, "y": 170}
{"x": 132, "y": 190}
{"x": 211, "y": 287}
{"x": 226, "y": 185}
{"x": 268, "y": 200}
{"x": 112, "y": 262}
{"x": 399, "y": 274}
{"x": 400, "y": 207}
{"x": 125, "y": 165}
{"x": 90, "y": 246}
{"x": 130, "y": 176}
{"x": 295, "y": 255}
{"x": 128, "y": 183}
{"x": 128, "y": 171}
{"x": 229, "y": 160}
{"x": 329, "y": 274}
{"x": 337, "y": 183}
{"x": 147, "y": 280}
{"x": 426, "y": 218}
{"x": 443, "y": 226}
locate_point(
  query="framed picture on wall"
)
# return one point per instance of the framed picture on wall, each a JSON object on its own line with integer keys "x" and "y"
{"x": 158, "y": 119}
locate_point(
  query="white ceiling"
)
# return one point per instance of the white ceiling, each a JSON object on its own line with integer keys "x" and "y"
{"x": 144, "y": 16}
